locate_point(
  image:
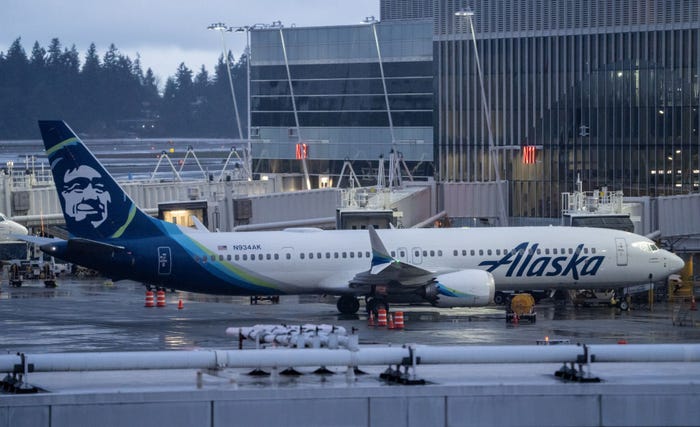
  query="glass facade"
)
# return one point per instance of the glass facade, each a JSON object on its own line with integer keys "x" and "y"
{"x": 323, "y": 87}
{"x": 604, "y": 90}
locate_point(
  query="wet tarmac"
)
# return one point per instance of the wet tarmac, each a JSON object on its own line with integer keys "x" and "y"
{"x": 94, "y": 315}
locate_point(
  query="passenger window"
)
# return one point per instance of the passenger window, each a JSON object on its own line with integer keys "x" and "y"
{"x": 301, "y": 255}
{"x": 335, "y": 255}
{"x": 289, "y": 256}
{"x": 328, "y": 255}
{"x": 571, "y": 251}
{"x": 454, "y": 253}
{"x": 245, "y": 257}
{"x": 402, "y": 254}
{"x": 471, "y": 252}
{"x": 425, "y": 253}
{"x": 498, "y": 251}
{"x": 237, "y": 257}
{"x": 563, "y": 251}
{"x": 546, "y": 251}
{"x": 592, "y": 250}
{"x": 464, "y": 252}
{"x": 539, "y": 251}
{"x": 439, "y": 253}
{"x": 554, "y": 251}
{"x": 277, "y": 256}
{"x": 585, "y": 250}
{"x": 213, "y": 257}
{"x": 393, "y": 254}
{"x": 318, "y": 255}
{"x": 488, "y": 252}
{"x": 367, "y": 254}
{"x": 345, "y": 254}
{"x": 196, "y": 258}
{"x": 352, "y": 254}
{"x": 432, "y": 253}
{"x": 359, "y": 254}
{"x": 311, "y": 255}
{"x": 481, "y": 252}
{"x": 416, "y": 254}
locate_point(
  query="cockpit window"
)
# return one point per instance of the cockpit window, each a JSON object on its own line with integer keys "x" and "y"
{"x": 653, "y": 247}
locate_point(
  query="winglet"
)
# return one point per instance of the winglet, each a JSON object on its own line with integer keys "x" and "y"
{"x": 380, "y": 256}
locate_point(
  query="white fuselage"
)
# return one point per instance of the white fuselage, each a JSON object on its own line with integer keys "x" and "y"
{"x": 9, "y": 229}
{"x": 520, "y": 258}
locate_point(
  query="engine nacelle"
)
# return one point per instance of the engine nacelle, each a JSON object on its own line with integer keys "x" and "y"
{"x": 466, "y": 288}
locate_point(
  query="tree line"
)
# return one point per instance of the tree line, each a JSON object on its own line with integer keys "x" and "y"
{"x": 112, "y": 96}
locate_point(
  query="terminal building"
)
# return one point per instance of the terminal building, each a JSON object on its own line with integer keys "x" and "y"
{"x": 604, "y": 91}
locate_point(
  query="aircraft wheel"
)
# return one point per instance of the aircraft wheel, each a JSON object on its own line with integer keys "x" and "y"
{"x": 348, "y": 304}
{"x": 499, "y": 298}
{"x": 624, "y": 306}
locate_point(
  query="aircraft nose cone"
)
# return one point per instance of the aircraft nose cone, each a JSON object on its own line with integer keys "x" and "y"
{"x": 675, "y": 263}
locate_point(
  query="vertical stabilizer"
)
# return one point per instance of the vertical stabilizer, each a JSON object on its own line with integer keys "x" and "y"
{"x": 94, "y": 205}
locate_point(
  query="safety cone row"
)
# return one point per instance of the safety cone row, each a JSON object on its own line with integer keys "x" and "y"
{"x": 149, "y": 299}
{"x": 370, "y": 319}
{"x": 160, "y": 299}
{"x": 180, "y": 305}
{"x": 391, "y": 321}
{"x": 381, "y": 317}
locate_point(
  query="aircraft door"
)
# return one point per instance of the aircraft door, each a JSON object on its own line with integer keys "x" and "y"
{"x": 416, "y": 254}
{"x": 621, "y": 251}
{"x": 164, "y": 261}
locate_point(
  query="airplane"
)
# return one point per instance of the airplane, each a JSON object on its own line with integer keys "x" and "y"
{"x": 442, "y": 267}
{"x": 10, "y": 229}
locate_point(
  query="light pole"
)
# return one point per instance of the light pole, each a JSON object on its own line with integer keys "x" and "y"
{"x": 221, "y": 27}
{"x": 464, "y": 13}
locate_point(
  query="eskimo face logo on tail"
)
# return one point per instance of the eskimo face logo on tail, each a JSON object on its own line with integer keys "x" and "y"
{"x": 521, "y": 261}
{"x": 85, "y": 197}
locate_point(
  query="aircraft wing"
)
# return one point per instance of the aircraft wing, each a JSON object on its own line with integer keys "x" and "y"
{"x": 386, "y": 270}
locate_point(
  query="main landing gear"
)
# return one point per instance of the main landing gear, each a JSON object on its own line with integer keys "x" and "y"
{"x": 348, "y": 304}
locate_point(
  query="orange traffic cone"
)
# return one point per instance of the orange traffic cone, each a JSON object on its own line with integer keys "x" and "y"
{"x": 180, "y": 305}
{"x": 398, "y": 319}
{"x": 381, "y": 317}
{"x": 149, "y": 299}
{"x": 160, "y": 299}
{"x": 370, "y": 320}
{"x": 391, "y": 321}
{"x": 693, "y": 305}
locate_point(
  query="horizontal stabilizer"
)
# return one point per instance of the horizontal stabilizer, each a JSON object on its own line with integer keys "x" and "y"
{"x": 35, "y": 239}
{"x": 87, "y": 245}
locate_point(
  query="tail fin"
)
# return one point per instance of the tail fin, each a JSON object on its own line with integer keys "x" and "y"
{"x": 94, "y": 205}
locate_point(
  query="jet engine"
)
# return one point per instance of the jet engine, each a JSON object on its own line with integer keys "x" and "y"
{"x": 465, "y": 288}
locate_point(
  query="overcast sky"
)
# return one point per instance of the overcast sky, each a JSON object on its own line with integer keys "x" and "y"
{"x": 163, "y": 32}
